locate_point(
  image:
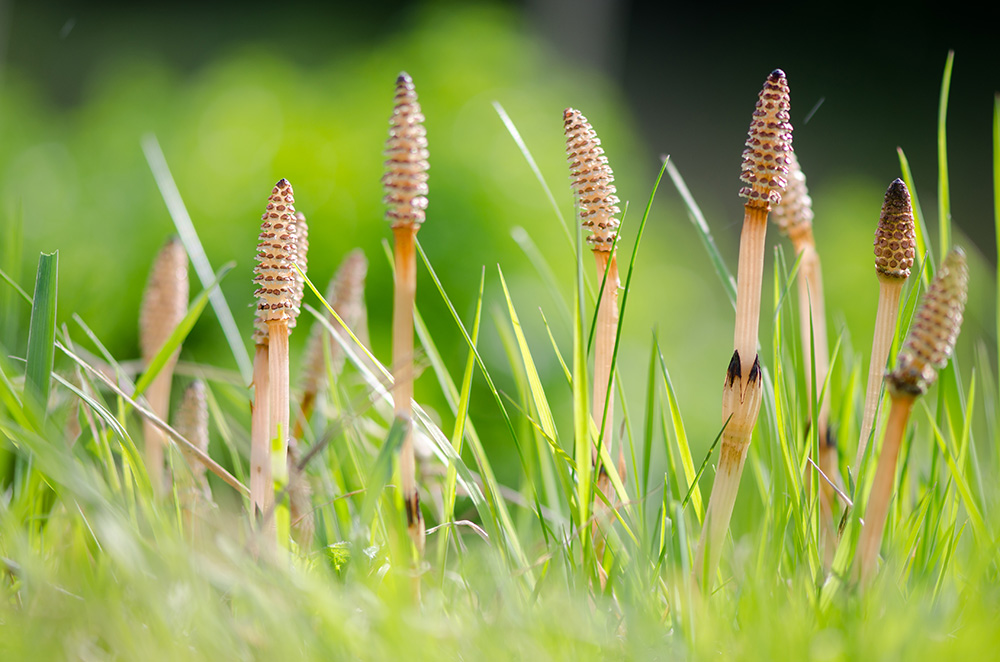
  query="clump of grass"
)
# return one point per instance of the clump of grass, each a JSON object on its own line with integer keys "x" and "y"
{"x": 764, "y": 173}
{"x": 927, "y": 349}
{"x": 405, "y": 182}
{"x": 895, "y": 242}
{"x": 164, "y": 304}
{"x": 794, "y": 217}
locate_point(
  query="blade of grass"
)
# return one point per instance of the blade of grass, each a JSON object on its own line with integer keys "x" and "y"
{"x": 698, "y": 219}
{"x": 461, "y": 415}
{"x": 516, "y": 135}
{"x": 978, "y": 524}
{"x": 996, "y": 211}
{"x": 41, "y": 337}
{"x": 192, "y": 244}
{"x": 680, "y": 437}
{"x": 923, "y": 242}
{"x": 944, "y": 194}
{"x": 534, "y": 382}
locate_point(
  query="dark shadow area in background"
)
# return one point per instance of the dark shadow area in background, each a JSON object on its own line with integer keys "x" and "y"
{"x": 686, "y": 68}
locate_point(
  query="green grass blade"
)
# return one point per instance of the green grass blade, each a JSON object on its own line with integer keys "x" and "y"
{"x": 534, "y": 382}
{"x": 920, "y": 230}
{"x": 581, "y": 416}
{"x": 516, "y": 135}
{"x": 944, "y": 194}
{"x": 192, "y": 244}
{"x": 704, "y": 233}
{"x": 978, "y": 524}
{"x": 11, "y": 258}
{"x": 180, "y": 332}
{"x": 555, "y": 350}
{"x": 461, "y": 415}
{"x": 996, "y": 210}
{"x": 680, "y": 437}
{"x": 41, "y": 336}
{"x": 625, "y": 293}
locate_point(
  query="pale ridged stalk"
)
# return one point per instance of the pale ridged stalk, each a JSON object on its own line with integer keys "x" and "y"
{"x": 405, "y": 182}
{"x": 928, "y": 346}
{"x": 595, "y": 194}
{"x": 276, "y": 282}
{"x": 895, "y": 240}
{"x": 193, "y": 491}
{"x": 764, "y": 172}
{"x": 164, "y": 305}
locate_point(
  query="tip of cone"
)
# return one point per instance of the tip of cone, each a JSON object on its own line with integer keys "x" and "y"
{"x": 897, "y": 197}
{"x": 776, "y": 74}
{"x": 403, "y": 78}
{"x": 282, "y": 183}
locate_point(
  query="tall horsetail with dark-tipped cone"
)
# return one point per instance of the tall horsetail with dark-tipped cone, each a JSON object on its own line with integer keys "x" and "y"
{"x": 764, "y": 175}
{"x": 597, "y": 207}
{"x": 405, "y": 182}
{"x": 895, "y": 241}
{"x": 928, "y": 346}
{"x": 164, "y": 304}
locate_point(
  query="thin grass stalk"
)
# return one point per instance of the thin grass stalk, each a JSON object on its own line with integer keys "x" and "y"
{"x": 764, "y": 172}
{"x": 928, "y": 346}
{"x": 261, "y": 480}
{"x": 405, "y": 184}
{"x": 895, "y": 244}
{"x": 164, "y": 304}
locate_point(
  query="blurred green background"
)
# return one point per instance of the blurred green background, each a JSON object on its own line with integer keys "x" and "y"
{"x": 240, "y": 96}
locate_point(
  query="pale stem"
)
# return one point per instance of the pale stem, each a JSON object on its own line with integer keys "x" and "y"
{"x": 811, "y": 306}
{"x": 720, "y": 509}
{"x": 158, "y": 396}
{"x": 261, "y": 481}
{"x": 277, "y": 367}
{"x": 812, "y": 328}
{"x": 404, "y": 295}
{"x": 750, "y": 273}
{"x": 604, "y": 348}
{"x": 885, "y": 326}
{"x": 881, "y": 492}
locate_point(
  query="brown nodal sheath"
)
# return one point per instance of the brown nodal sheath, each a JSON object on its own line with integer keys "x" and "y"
{"x": 164, "y": 304}
{"x": 405, "y": 183}
{"x": 764, "y": 173}
{"x": 929, "y": 343}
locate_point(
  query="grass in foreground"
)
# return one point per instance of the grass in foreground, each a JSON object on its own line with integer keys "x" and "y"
{"x": 95, "y": 567}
